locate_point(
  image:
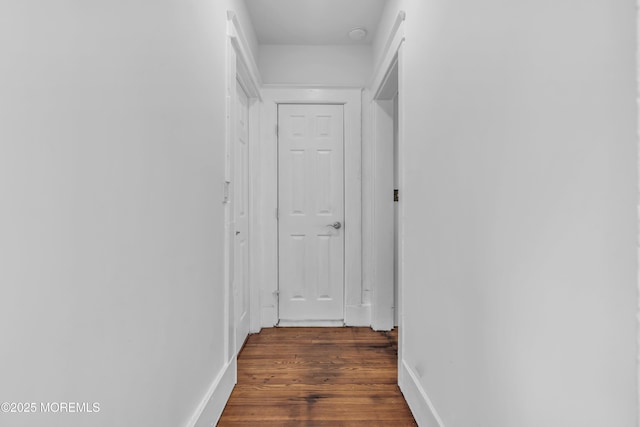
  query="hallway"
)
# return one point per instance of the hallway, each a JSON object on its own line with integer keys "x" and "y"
{"x": 140, "y": 225}
{"x": 318, "y": 377}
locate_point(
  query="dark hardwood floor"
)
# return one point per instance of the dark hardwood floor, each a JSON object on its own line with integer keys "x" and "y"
{"x": 317, "y": 377}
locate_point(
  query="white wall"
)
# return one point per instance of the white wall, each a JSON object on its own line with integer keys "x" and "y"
{"x": 321, "y": 65}
{"x": 520, "y": 152}
{"x": 111, "y": 221}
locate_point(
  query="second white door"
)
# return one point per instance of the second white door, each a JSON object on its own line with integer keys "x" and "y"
{"x": 311, "y": 213}
{"x": 241, "y": 218}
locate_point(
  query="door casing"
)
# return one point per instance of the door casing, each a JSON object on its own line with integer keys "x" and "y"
{"x": 357, "y": 310}
{"x": 241, "y": 68}
{"x": 390, "y": 67}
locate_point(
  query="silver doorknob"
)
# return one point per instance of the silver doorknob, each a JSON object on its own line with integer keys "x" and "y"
{"x": 335, "y": 225}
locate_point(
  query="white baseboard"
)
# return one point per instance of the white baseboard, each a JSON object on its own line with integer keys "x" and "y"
{"x": 358, "y": 315}
{"x": 418, "y": 400}
{"x": 210, "y": 409}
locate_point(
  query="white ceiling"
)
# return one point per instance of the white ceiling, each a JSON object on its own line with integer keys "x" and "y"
{"x": 313, "y": 22}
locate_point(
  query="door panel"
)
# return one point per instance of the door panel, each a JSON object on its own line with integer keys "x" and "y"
{"x": 310, "y": 198}
{"x": 241, "y": 218}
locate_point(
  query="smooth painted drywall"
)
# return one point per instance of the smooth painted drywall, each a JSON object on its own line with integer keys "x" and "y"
{"x": 348, "y": 66}
{"x": 111, "y": 217}
{"x": 519, "y": 148}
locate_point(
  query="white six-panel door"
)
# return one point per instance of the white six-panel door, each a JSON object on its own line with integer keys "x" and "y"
{"x": 241, "y": 218}
{"x": 311, "y": 212}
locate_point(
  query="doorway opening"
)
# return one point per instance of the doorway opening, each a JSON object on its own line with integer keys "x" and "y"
{"x": 326, "y": 258}
{"x": 386, "y": 197}
{"x": 241, "y": 145}
{"x": 387, "y": 165}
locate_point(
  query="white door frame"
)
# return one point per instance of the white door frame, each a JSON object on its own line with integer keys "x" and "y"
{"x": 241, "y": 67}
{"x": 382, "y": 217}
{"x": 381, "y": 226}
{"x": 357, "y": 313}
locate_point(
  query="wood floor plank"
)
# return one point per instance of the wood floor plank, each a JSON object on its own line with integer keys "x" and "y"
{"x": 321, "y": 423}
{"x": 317, "y": 377}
